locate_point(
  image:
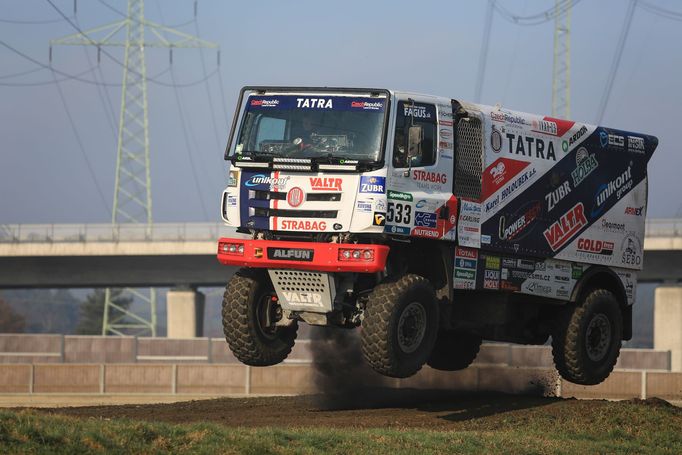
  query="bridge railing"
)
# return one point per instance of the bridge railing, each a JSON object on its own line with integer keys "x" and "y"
{"x": 662, "y": 227}
{"x": 39, "y": 233}
{"x": 70, "y": 233}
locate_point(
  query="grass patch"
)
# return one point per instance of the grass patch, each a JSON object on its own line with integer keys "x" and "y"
{"x": 611, "y": 428}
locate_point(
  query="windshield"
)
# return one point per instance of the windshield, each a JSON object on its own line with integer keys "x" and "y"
{"x": 312, "y": 126}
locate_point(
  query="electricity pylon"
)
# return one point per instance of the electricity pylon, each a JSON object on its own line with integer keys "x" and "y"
{"x": 561, "y": 71}
{"x": 132, "y": 190}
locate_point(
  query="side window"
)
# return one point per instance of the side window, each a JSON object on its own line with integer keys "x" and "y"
{"x": 415, "y": 135}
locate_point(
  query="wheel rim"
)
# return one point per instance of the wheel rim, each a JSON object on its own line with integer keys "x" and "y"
{"x": 411, "y": 327}
{"x": 598, "y": 337}
{"x": 269, "y": 333}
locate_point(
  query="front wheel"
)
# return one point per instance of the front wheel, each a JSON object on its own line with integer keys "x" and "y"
{"x": 249, "y": 320}
{"x": 587, "y": 338}
{"x": 400, "y": 326}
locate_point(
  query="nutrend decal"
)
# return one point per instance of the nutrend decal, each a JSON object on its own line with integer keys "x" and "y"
{"x": 566, "y": 227}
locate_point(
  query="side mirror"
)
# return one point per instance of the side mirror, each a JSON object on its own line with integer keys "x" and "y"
{"x": 414, "y": 142}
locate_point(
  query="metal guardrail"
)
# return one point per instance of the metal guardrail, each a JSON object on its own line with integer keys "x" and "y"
{"x": 663, "y": 227}
{"x": 164, "y": 232}
{"x": 85, "y": 233}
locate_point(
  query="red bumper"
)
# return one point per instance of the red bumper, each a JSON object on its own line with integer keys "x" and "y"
{"x": 321, "y": 257}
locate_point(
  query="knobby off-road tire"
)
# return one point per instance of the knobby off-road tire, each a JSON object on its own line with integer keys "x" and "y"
{"x": 454, "y": 350}
{"x": 400, "y": 326}
{"x": 587, "y": 338}
{"x": 249, "y": 341}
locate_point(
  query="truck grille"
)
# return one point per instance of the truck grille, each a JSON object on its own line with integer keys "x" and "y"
{"x": 287, "y": 213}
{"x": 282, "y": 195}
{"x": 468, "y": 162}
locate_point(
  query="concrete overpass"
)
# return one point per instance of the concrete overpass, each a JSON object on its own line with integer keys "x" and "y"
{"x": 183, "y": 255}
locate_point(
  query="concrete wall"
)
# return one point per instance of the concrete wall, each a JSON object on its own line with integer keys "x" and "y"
{"x": 217, "y": 379}
{"x": 96, "y": 349}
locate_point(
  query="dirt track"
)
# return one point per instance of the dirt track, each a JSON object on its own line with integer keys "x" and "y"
{"x": 380, "y": 408}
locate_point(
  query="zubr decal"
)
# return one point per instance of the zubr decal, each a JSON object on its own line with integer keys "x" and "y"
{"x": 372, "y": 184}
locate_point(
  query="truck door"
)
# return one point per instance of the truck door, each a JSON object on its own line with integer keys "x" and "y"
{"x": 419, "y": 189}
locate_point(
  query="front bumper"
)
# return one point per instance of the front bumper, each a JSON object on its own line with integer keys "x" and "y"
{"x": 322, "y": 257}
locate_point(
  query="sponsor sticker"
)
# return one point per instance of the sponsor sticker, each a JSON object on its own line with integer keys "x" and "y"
{"x": 585, "y": 163}
{"x": 232, "y": 178}
{"x": 531, "y": 147}
{"x": 425, "y": 219}
{"x": 379, "y": 219}
{"x": 303, "y": 225}
{"x": 372, "y": 184}
{"x": 326, "y": 183}
{"x": 469, "y": 225}
{"x": 290, "y": 254}
{"x": 566, "y": 227}
{"x": 400, "y": 196}
{"x": 618, "y": 187}
{"x": 363, "y": 206}
{"x": 402, "y": 230}
{"x": 262, "y": 179}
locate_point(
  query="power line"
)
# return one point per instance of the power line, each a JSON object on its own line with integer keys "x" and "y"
{"x": 539, "y": 18}
{"x": 122, "y": 14}
{"x": 483, "y": 56}
{"x": 32, "y": 22}
{"x": 22, "y": 73}
{"x": 77, "y": 77}
{"x": 109, "y": 114}
{"x": 208, "y": 94}
{"x": 80, "y": 144}
{"x": 188, "y": 148}
{"x": 660, "y": 11}
{"x": 616, "y": 60}
{"x": 106, "y": 53}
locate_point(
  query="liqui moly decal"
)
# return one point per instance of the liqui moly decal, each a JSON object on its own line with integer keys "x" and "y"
{"x": 566, "y": 227}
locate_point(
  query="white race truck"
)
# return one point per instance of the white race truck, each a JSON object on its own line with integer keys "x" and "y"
{"x": 432, "y": 224}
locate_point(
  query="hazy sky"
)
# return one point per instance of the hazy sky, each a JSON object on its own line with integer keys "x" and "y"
{"x": 427, "y": 46}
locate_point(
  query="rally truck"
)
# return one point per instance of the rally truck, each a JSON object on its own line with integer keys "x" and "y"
{"x": 430, "y": 224}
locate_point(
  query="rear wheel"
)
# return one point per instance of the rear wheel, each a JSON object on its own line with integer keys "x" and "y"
{"x": 587, "y": 338}
{"x": 400, "y": 326}
{"x": 249, "y": 314}
{"x": 454, "y": 350}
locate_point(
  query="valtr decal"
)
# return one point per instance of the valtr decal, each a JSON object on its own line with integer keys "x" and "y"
{"x": 326, "y": 183}
{"x": 566, "y": 227}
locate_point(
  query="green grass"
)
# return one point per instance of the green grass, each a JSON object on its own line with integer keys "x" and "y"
{"x": 614, "y": 429}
